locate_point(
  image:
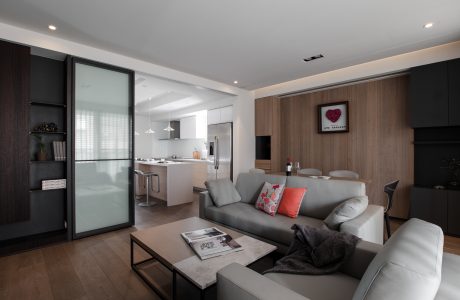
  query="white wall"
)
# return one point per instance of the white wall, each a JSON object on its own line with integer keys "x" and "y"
{"x": 244, "y": 153}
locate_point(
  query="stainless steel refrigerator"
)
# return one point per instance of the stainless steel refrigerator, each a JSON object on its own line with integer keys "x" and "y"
{"x": 220, "y": 151}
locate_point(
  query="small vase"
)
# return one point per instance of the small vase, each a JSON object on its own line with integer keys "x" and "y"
{"x": 41, "y": 155}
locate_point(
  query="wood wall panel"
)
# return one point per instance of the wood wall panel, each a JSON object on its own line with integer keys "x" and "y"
{"x": 379, "y": 145}
{"x": 14, "y": 137}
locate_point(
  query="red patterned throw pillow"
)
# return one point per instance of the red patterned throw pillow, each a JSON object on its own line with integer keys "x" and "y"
{"x": 269, "y": 198}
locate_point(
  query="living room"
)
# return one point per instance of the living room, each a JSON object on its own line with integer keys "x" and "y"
{"x": 370, "y": 88}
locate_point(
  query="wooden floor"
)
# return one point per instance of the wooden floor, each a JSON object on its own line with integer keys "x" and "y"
{"x": 97, "y": 267}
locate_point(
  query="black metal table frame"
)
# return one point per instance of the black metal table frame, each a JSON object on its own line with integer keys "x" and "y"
{"x": 155, "y": 257}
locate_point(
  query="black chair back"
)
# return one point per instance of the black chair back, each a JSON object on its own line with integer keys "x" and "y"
{"x": 389, "y": 189}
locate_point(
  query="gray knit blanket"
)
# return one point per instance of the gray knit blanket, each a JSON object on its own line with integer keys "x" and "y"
{"x": 315, "y": 251}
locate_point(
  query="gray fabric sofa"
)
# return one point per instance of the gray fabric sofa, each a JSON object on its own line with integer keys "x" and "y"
{"x": 321, "y": 198}
{"x": 411, "y": 265}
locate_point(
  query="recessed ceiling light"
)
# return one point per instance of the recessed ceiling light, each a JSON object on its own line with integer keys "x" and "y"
{"x": 52, "y": 27}
{"x": 235, "y": 82}
{"x": 428, "y": 25}
{"x": 313, "y": 58}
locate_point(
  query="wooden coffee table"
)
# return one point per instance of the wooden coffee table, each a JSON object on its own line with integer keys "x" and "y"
{"x": 165, "y": 245}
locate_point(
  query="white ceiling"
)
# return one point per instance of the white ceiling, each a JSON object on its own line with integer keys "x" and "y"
{"x": 162, "y": 99}
{"x": 258, "y": 42}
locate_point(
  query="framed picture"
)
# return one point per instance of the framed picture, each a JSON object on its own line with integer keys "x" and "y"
{"x": 333, "y": 117}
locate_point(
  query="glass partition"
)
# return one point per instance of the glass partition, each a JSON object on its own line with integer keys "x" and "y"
{"x": 102, "y": 134}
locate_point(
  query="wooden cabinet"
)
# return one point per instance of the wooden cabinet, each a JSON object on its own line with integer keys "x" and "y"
{"x": 14, "y": 137}
{"x": 441, "y": 207}
{"x": 430, "y": 205}
{"x": 435, "y": 94}
{"x": 264, "y": 116}
{"x": 220, "y": 115}
{"x": 454, "y": 92}
{"x": 268, "y": 125}
{"x": 453, "y": 213}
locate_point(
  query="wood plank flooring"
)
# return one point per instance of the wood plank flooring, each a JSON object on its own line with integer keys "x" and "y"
{"x": 98, "y": 267}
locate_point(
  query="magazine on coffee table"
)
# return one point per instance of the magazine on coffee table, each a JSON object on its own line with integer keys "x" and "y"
{"x": 210, "y": 242}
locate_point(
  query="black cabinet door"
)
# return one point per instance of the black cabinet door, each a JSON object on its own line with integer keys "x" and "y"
{"x": 14, "y": 133}
{"x": 454, "y": 212}
{"x": 429, "y": 96}
{"x": 430, "y": 205}
{"x": 454, "y": 92}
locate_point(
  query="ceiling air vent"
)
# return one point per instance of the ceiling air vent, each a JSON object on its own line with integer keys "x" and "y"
{"x": 313, "y": 58}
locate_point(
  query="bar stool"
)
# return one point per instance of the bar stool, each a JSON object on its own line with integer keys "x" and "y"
{"x": 148, "y": 178}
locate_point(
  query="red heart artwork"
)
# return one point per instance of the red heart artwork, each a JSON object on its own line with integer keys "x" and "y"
{"x": 333, "y": 114}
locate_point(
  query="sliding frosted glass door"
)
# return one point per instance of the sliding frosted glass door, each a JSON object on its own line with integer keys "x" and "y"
{"x": 102, "y": 135}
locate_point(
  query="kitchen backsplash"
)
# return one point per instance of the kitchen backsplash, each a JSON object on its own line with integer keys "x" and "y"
{"x": 185, "y": 148}
{"x": 150, "y": 145}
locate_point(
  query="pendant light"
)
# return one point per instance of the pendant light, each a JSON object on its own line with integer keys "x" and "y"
{"x": 169, "y": 128}
{"x": 150, "y": 130}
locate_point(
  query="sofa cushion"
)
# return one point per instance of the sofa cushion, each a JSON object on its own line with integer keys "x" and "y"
{"x": 408, "y": 266}
{"x": 449, "y": 288}
{"x": 347, "y": 210}
{"x": 291, "y": 201}
{"x": 247, "y": 218}
{"x": 323, "y": 195}
{"x": 249, "y": 185}
{"x": 222, "y": 192}
{"x": 335, "y": 286}
{"x": 269, "y": 198}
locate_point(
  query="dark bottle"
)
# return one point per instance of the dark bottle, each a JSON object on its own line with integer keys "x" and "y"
{"x": 289, "y": 167}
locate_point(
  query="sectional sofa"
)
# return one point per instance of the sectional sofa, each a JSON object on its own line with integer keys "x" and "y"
{"x": 411, "y": 265}
{"x": 320, "y": 199}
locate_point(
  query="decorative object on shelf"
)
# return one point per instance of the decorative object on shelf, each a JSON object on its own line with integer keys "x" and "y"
{"x": 41, "y": 154}
{"x": 333, "y": 117}
{"x": 59, "y": 150}
{"x": 46, "y": 127}
{"x": 54, "y": 184}
{"x": 453, "y": 164}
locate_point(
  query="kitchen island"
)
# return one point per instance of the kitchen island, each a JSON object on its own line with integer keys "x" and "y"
{"x": 173, "y": 184}
{"x": 200, "y": 170}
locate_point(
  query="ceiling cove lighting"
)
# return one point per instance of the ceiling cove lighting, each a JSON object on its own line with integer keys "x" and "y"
{"x": 52, "y": 27}
{"x": 428, "y": 25}
{"x": 313, "y": 57}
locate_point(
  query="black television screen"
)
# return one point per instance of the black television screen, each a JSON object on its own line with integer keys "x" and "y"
{"x": 263, "y": 147}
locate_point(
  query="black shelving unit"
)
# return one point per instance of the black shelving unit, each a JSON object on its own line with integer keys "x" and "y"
{"x": 48, "y": 208}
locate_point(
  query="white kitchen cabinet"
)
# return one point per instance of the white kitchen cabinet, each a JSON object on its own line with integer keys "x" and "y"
{"x": 194, "y": 127}
{"x": 214, "y": 116}
{"x": 220, "y": 115}
{"x": 226, "y": 114}
{"x": 188, "y": 128}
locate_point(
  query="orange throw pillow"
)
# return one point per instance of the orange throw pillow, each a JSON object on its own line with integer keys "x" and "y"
{"x": 291, "y": 201}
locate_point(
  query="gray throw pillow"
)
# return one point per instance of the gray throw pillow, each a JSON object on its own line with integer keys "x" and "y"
{"x": 222, "y": 192}
{"x": 347, "y": 210}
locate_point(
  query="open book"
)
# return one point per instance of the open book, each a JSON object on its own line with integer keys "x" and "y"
{"x": 210, "y": 242}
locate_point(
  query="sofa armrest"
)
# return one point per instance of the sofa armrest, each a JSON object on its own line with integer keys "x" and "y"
{"x": 357, "y": 264}
{"x": 205, "y": 201}
{"x": 238, "y": 282}
{"x": 368, "y": 225}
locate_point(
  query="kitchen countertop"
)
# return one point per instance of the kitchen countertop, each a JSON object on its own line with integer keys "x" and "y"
{"x": 192, "y": 160}
{"x": 157, "y": 163}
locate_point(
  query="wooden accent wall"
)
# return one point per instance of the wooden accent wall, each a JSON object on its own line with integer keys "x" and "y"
{"x": 379, "y": 145}
{"x": 14, "y": 137}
